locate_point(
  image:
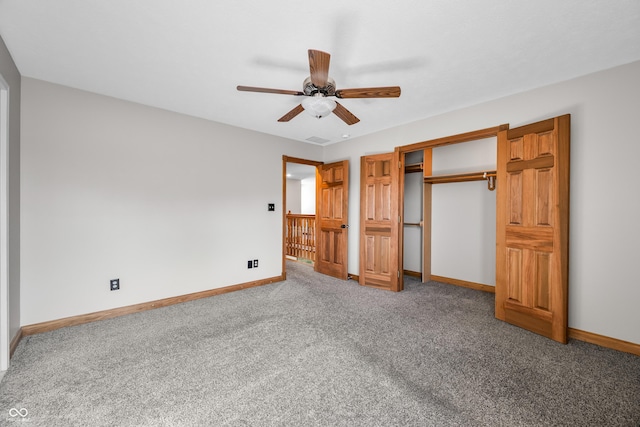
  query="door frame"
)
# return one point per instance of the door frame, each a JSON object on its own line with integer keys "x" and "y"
{"x": 4, "y": 227}
{"x": 288, "y": 159}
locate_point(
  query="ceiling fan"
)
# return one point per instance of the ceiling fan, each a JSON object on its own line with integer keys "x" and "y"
{"x": 318, "y": 87}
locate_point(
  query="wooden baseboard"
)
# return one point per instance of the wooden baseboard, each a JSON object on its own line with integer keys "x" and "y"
{"x": 464, "y": 284}
{"x": 602, "y": 341}
{"x": 121, "y": 311}
{"x": 15, "y": 341}
{"x": 353, "y": 277}
{"x": 413, "y": 274}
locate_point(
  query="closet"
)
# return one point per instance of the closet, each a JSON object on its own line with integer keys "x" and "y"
{"x": 525, "y": 226}
{"x": 449, "y": 212}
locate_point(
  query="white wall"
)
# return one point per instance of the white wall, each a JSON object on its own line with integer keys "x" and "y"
{"x": 11, "y": 302}
{"x": 605, "y": 207}
{"x": 412, "y": 243}
{"x": 308, "y": 196}
{"x": 463, "y": 223}
{"x": 169, "y": 204}
{"x": 293, "y": 196}
{"x": 301, "y": 196}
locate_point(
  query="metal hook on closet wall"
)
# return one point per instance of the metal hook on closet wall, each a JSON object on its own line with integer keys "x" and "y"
{"x": 491, "y": 181}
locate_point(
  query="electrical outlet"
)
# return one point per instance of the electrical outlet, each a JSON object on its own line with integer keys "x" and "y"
{"x": 271, "y": 207}
{"x": 249, "y": 264}
{"x": 115, "y": 284}
{"x": 255, "y": 263}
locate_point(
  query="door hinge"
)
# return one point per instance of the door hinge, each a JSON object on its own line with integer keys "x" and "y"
{"x": 398, "y": 274}
{"x": 399, "y": 220}
{"x": 399, "y": 165}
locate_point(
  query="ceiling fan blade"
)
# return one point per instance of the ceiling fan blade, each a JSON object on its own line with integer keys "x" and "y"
{"x": 267, "y": 90}
{"x": 345, "y": 115}
{"x": 291, "y": 114}
{"x": 319, "y": 67}
{"x": 370, "y": 92}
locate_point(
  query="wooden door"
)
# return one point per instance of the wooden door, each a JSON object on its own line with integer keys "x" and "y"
{"x": 379, "y": 221}
{"x": 532, "y": 234}
{"x": 332, "y": 203}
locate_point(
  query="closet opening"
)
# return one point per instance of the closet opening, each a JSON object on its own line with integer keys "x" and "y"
{"x": 448, "y": 207}
{"x": 512, "y": 241}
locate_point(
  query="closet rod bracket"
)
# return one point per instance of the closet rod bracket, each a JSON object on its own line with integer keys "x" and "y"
{"x": 491, "y": 181}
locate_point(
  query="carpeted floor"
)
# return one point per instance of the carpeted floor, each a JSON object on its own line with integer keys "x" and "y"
{"x": 317, "y": 351}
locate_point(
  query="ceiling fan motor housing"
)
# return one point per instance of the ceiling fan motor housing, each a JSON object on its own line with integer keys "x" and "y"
{"x": 310, "y": 89}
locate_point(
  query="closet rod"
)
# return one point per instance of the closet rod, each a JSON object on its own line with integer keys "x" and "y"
{"x": 460, "y": 177}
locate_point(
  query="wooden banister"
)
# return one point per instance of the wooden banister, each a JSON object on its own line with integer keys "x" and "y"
{"x": 300, "y": 238}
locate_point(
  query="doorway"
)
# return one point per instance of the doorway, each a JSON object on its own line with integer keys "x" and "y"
{"x": 450, "y": 213}
{"x": 466, "y": 164}
{"x": 330, "y": 231}
{"x": 299, "y": 201}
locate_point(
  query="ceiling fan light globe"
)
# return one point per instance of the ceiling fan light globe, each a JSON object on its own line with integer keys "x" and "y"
{"x": 318, "y": 106}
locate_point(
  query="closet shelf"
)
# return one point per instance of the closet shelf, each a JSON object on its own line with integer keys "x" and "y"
{"x": 460, "y": 177}
{"x": 415, "y": 224}
{"x": 415, "y": 167}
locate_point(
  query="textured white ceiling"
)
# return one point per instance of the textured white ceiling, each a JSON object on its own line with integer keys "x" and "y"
{"x": 189, "y": 56}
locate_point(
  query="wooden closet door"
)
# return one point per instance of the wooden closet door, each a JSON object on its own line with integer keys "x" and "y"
{"x": 379, "y": 221}
{"x": 533, "y": 227}
{"x": 332, "y": 213}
